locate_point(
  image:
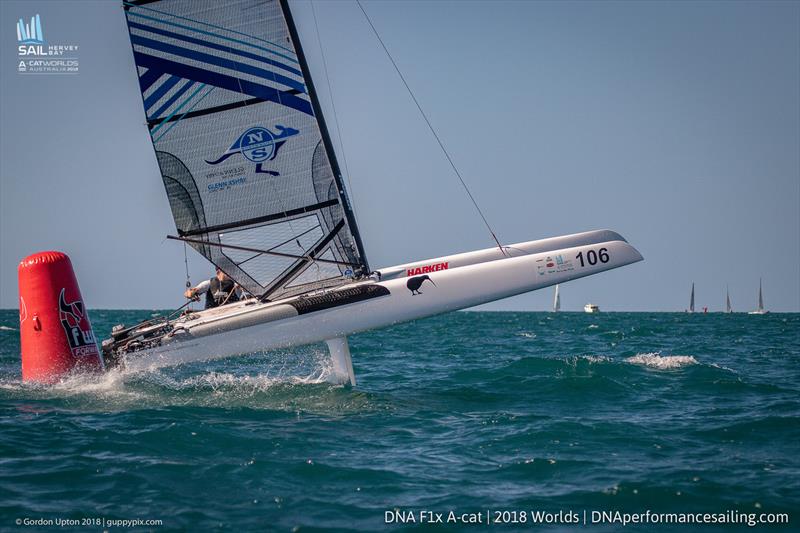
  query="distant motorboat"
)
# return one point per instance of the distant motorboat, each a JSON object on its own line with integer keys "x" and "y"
{"x": 591, "y": 308}
{"x": 760, "y": 309}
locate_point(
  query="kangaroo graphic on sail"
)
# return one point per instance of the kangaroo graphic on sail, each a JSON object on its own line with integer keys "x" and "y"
{"x": 258, "y": 145}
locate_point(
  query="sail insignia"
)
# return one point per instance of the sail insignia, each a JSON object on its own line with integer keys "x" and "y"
{"x": 244, "y": 154}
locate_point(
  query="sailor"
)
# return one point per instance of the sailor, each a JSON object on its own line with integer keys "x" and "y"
{"x": 219, "y": 290}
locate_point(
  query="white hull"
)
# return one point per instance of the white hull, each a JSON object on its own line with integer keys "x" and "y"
{"x": 221, "y": 332}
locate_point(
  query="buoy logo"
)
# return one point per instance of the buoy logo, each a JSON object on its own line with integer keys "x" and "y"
{"x": 73, "y": 319}
{"x": 30, "y": 33}
{"x": 258, "y": 145}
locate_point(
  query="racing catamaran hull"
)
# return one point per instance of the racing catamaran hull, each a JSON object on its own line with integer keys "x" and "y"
{"x": 374, "y": 304}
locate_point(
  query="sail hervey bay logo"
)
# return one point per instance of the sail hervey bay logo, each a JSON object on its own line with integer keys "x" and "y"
{"x": 35, "y": 56}
{"x": 30, "y": 33}
{"x": 258, "y": 145}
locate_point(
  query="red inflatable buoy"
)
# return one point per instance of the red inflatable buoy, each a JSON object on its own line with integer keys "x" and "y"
{"x": 55, "y": 333}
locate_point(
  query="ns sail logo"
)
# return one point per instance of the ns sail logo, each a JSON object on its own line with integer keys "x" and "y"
{"x": 258, "y": 145}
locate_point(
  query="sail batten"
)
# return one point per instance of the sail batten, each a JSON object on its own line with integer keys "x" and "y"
{"x": 241, "y": 143}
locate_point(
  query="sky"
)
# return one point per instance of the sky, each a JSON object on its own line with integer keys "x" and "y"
{"x": 676, "y": 124}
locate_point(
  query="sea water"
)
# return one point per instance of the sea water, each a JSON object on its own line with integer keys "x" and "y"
{"x": 490, "y": 415}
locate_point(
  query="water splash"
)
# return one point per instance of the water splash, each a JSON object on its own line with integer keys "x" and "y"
{"x": 661, "y": 362}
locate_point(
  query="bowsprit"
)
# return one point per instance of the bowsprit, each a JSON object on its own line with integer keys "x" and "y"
{"x": 258, "y": 145}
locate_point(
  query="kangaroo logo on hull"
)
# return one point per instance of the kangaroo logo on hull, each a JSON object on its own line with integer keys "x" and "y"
{"x": 258, "y": 145}
{"x": 73, "y": 319}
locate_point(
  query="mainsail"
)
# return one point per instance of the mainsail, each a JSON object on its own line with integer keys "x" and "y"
{"x": 760, "y": 297}
{"x": 244, "y": 153}
{"x": 691, "y": 300}
{"x": 728, "y": 308}
{"x": 556, "y": 301}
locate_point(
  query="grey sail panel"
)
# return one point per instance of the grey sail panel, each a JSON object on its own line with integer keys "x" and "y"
{"x": 242, "y": 147}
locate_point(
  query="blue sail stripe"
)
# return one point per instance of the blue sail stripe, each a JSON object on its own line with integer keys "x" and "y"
{"x": 172, "y": 98}
{"x": 210, "y": 25}
{"x": 187, "y": 112}
{"x": 148, "y": 78}
{"x": 170, "y": 23}
{"x": 183, "y": 104}
{"x": 218, "y": 61}
{"x": 224, "y": 81}
{"x": 160, "y": 91}
{"x": 215, "y": 46}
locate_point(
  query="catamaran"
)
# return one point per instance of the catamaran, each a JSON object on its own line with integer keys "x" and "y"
{"x": 760, "y": 309}
{"x": 254, "y": 186}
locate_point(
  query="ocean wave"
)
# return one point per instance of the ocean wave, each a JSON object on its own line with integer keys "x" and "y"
{"x": 661, "y": 362}
{"x": 7, "y": 328}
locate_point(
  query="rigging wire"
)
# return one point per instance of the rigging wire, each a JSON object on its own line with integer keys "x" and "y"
{"x": 188, "y": 279}
{"x": 335, "y": 116}
{"x": 430, "y": 126}
{"x": 186, "y": 263}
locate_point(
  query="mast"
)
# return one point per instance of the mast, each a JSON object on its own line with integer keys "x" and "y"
{"x": 326, "y": 139}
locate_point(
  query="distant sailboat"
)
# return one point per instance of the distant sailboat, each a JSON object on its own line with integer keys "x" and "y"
{"x": 728, "y": 308}
{"x": 760, "y": 309}
{"x": 691, "y": 300}
{"x": 557, "y": 301}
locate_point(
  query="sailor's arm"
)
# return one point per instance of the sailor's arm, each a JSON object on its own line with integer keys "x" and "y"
{"x": 201, "y": 288}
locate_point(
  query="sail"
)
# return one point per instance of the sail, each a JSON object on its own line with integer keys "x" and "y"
{"x": 557, "y": 301}
{"x": 244, "y": 153}
{"x": 691, "y": 300}
{"x": 760, "y": 297}
{"x": 728, "y": 308}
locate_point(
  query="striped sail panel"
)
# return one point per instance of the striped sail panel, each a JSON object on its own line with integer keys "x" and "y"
{"x": 242, "y": 149}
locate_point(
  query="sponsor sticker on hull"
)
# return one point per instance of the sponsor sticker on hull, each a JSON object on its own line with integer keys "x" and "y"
{"x": 554, "y": 265}
{"x": 426, "y": 269}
